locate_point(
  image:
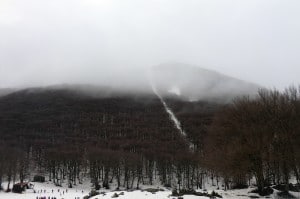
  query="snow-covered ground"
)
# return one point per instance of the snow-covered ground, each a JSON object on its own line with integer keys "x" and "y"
{"x": 144, "y": 194}
{"x": 45, "y": 190}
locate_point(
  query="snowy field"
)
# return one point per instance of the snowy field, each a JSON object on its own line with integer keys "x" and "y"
{"x": 146, "y": 195}
{"x": 49, "y": 190}
{"x": 45, "y": 190}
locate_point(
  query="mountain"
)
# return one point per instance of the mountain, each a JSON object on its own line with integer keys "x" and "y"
{"x": 193, "y": 83}
{"x": 108, "y": 132}
{"x": 6, "y": 91}
{"x": 60, "y": 117}
{"x": 175, "y": 80}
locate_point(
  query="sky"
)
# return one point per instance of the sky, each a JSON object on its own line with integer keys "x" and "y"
{"x": 46, "y": 42}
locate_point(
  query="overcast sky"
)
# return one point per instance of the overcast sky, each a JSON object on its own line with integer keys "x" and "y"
{"x": 46, "y": 42}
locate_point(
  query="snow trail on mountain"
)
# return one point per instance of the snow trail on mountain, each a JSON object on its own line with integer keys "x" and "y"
{"x": 168, "y": 110}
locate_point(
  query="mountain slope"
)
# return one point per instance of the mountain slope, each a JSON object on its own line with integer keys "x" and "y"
{"x": 110, "y": 133}
{"x": 6, "y": 91}
{"x": 67, "y": 115}
{"x": 193, "y": 83}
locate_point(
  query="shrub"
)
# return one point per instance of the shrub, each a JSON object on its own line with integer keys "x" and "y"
{"x": 93, "y": 193}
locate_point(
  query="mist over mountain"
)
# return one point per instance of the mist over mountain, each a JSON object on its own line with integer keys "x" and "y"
{"x": 6, "y": 91}
{"x": 183, "y": 81}
{"x": 193, "y": 83}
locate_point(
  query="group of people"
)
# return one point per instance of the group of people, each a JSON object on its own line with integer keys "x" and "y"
{"x": 51, "y": 197}
{"x": 61, "y": 192}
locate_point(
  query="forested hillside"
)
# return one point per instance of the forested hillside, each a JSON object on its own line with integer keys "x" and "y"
{"x": 130, "y": 140}
{"x": 257, "y": 138}
{"x": 195, "y": 118}
{"x": 247, "y": 138}
{"x": 66, "y": 135}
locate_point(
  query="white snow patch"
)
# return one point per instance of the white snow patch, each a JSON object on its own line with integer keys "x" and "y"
{"x": 168, "y": 110}
{"x": 175, "y": 90}
{"x": 193, "y": 100}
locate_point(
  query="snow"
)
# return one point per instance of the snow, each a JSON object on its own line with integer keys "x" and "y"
{"x": 173, "y": 118}
{"x": 83, "y": 190}
{"x": 175, "y": 90}
{"x": 39, "y": 188}
{"x": 145, "y": 195}
{"x": 168, "y": 110}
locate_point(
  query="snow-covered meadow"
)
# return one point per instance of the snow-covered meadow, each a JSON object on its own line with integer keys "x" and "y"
{"x": 51, "y": 191}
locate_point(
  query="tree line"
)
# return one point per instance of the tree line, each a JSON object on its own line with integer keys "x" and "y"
{"x": 68, "y": 137}
{"x": 257, "y": 138}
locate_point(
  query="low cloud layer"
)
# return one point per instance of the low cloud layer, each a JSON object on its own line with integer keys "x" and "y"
{"x": 107, "y": 41}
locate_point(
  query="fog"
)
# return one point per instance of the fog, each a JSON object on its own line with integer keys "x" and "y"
{"x": 115, "y": 41}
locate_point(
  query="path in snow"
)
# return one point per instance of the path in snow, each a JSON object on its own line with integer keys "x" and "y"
{"x": 169, "y": 111}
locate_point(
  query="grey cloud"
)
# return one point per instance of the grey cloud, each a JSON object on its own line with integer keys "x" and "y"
{"x": 114, "y": 41}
